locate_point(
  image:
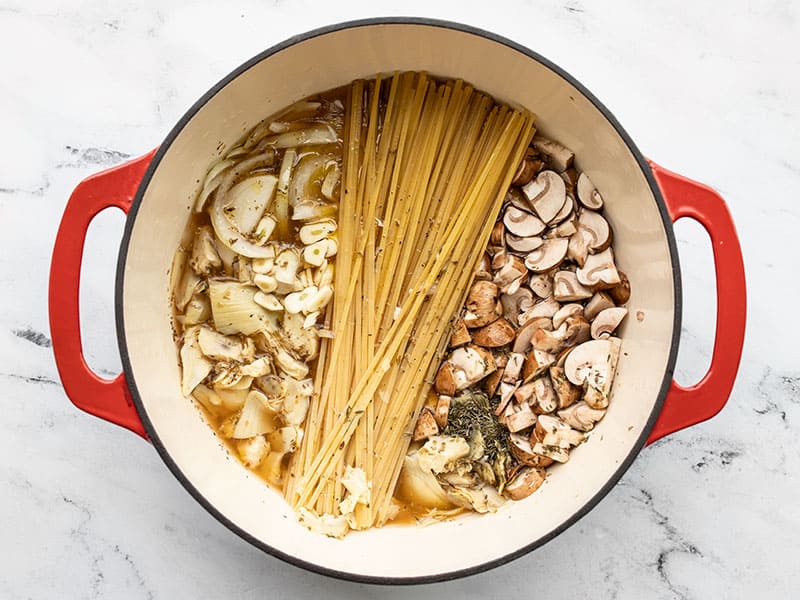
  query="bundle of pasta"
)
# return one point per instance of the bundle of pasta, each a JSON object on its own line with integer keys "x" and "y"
{"x": 426, "y": 168}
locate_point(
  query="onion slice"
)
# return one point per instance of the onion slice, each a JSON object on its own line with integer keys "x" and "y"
{"x": 310, "y": 168}
{"x": 313, "y": 135}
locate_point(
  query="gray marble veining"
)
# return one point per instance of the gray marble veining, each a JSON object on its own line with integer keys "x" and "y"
{"x": 89, "y": 511}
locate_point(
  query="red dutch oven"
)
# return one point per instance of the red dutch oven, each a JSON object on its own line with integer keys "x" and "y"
{"x": 156, "y": 191}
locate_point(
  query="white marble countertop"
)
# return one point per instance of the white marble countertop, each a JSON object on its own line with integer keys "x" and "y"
{"x": 89, "y": 510}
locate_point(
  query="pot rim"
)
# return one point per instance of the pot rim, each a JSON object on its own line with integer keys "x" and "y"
{"x": 295, "y": 560}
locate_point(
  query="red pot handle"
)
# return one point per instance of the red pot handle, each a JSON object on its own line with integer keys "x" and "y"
{"x": 685, "y": 406}
{"x": 104, "y": 398}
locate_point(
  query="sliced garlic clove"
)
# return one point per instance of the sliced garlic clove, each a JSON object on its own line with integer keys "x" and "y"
{"x": 314, "y": 232}
{"x": 266, "y": 283}
{"x": 319, "y": 299}
{"x": 297, "y": 301}
{"x": 315, "y": 253}
{"x": 265, "y": 228}
{"x": 267, "y": 301}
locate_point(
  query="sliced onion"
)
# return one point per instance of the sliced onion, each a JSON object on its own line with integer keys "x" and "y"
{"x": 248, "y": 200}
{"x": 313, "y": 135}
{"x": 212, "y": 181}
{"x": 330, "y": 181}
{"x": 313, "y": 209}
{"x": 309, "y": 169}
{"x": 230, "y": 236}
{"x": 300, "y": 110}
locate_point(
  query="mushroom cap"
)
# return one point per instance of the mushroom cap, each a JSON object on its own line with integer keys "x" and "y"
{"x": 581, "y": 416}
{"x": 546, "y": 400}
{"x": 621, "y": 292}
{"x": 565, "y": 212}
{"x": 525, "y": 482}
{"x": 516, "y": 303}
{"x": 558, "y": 156}
{"x": 587, "y": 193}
{"x": 525, "y": 333}
{"x": 600, "y": 301}
{"x": 511, "y": 268}
{"x": 596, "y": 228}
{"x": 566, "y": 287}
{"x": 523, "y": 244}
{"x": 521, "y": 223}
{"x": 536, "y": 363}
{"x": 481, "y": 304}
{"x": 541, "y": 284}
{"x": 566, "y": 392}
{"x": 547, "y": 194}
{"x": 460, "y": 334}
{"x": 548, "y": 255}
{"x": 497, "y": 333}
{"x": 522, "y": 450}
{"x": 567, "y": 310}
{"x": 546, "y": 308}
{"x": 607, "y": 321}
{"x": 599, "y": 270}
{"x": 445, "y": 382}
{"x": 496, "y": 237}
{"x": 426, "y": 425}
{"x": 593, "y": 362}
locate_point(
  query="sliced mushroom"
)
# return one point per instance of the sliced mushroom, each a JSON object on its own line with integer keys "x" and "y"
{"x": 495, "y": 334}
{"x": 521, "y": 223}
{"x": 426, "y": 426}
{"x": 558, "y": 156}
{"x": 511, "y": 269}
{"x": 482, "y": 304}
{"x": 593, "y": 365}
{"x": 471, "y": 364}
{"x": 578, "y": 248}
{"x": 460, "y": 335}
{"x": 566, "y": 392}
{"x": 546, "y": 400}
{"x": 445, "y": 382}
{"x": 442, "y": 410}
{"x": 484, "y": 270}
{"x": 516, "y": 303}
{"x": 607, "y": 321}
{"x": 552, "y": 452}
{"x": 205, "y": 257}
{"x": 545, "y": 308}
{"x": 578, "y": 330}
{"x": 526, "y": 170}
{"x": 570, "y": 177}
{"x": 498, "y": 232}
{"x": 522, "y": 418}
{"x": 550, "y": 341}
{"x": 522, "y": 450}
{"x": 536, "y": 363}
{"x": 548, "y": 255}
{"x": 541, "y": 285}
{"x": 599, "y": 302}
{"x": 596, "y": 229}
{"x": 588, "y": 194}
{"x": 515, "y": 197}
{"x": 492, "y": 381}
{"x": 504, "y": 408}
{"x": 524, "y": 483}
{"x": 581, "y": 416}
{"x": 547, "y": 195}
{"x": 525, "y": 333}
{"x": 523, "y": 244}
{"x": 524, "y": 394}
{"x": 567, "y": 310}
{"x": 566, "y": 287}
{"x": 557, "y": 433}
{"x": 567, "y": 228}
{"x": 621, "y": 292}
{"x": 565, "y": 212}
{"x": 513, "y": 367}
{"x": 599, "y": 270}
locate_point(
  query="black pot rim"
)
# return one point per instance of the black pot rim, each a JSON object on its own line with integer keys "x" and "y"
{"x": 185, "y": 481}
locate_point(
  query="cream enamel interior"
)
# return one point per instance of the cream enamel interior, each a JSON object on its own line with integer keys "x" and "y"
{"x": 331, "y": 60}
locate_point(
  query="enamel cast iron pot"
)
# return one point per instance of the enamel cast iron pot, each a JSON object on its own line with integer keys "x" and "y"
{"x": 156, "y": 191}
